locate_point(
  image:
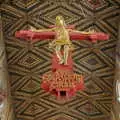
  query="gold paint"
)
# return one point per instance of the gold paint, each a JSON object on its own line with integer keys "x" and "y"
{"x": 62, "y": 40}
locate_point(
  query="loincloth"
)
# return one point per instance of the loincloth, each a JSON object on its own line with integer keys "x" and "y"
{"x": 55, "y": 43}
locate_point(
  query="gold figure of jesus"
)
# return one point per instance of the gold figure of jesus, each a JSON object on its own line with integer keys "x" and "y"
{"x": 62, "y": 39}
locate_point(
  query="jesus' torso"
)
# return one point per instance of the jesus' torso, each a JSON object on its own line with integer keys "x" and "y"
{"x": 62, "y": 35}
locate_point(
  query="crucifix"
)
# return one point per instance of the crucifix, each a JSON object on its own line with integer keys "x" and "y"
{"x": 61, "y": 35}
{"x": 58, "y": 82}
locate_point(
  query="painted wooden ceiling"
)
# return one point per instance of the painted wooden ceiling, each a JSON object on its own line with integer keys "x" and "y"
{"x": 27, "y": 62}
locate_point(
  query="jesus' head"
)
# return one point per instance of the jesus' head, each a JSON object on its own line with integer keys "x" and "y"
{"x": 60, "y": 21}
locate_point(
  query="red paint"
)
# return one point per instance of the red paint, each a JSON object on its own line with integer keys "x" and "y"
{"x": 62, "y": 81}
{"x": 36, "y": 36}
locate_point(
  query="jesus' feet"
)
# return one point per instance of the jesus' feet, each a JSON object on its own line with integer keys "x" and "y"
{"x": 61, "y": 61}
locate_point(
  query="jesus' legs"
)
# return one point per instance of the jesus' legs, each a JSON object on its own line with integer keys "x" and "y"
{"x": 66, "y": 52}
{"x": 58, "y": 53}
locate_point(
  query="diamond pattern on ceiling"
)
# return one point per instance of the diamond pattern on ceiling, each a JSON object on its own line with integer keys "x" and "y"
{"x": 30, "y": 60}
{"x": 89, "y": 109}
{"x": 26, "y": 62}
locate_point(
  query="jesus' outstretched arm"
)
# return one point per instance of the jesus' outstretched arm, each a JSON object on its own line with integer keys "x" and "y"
{"x": 41, "y": 30}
